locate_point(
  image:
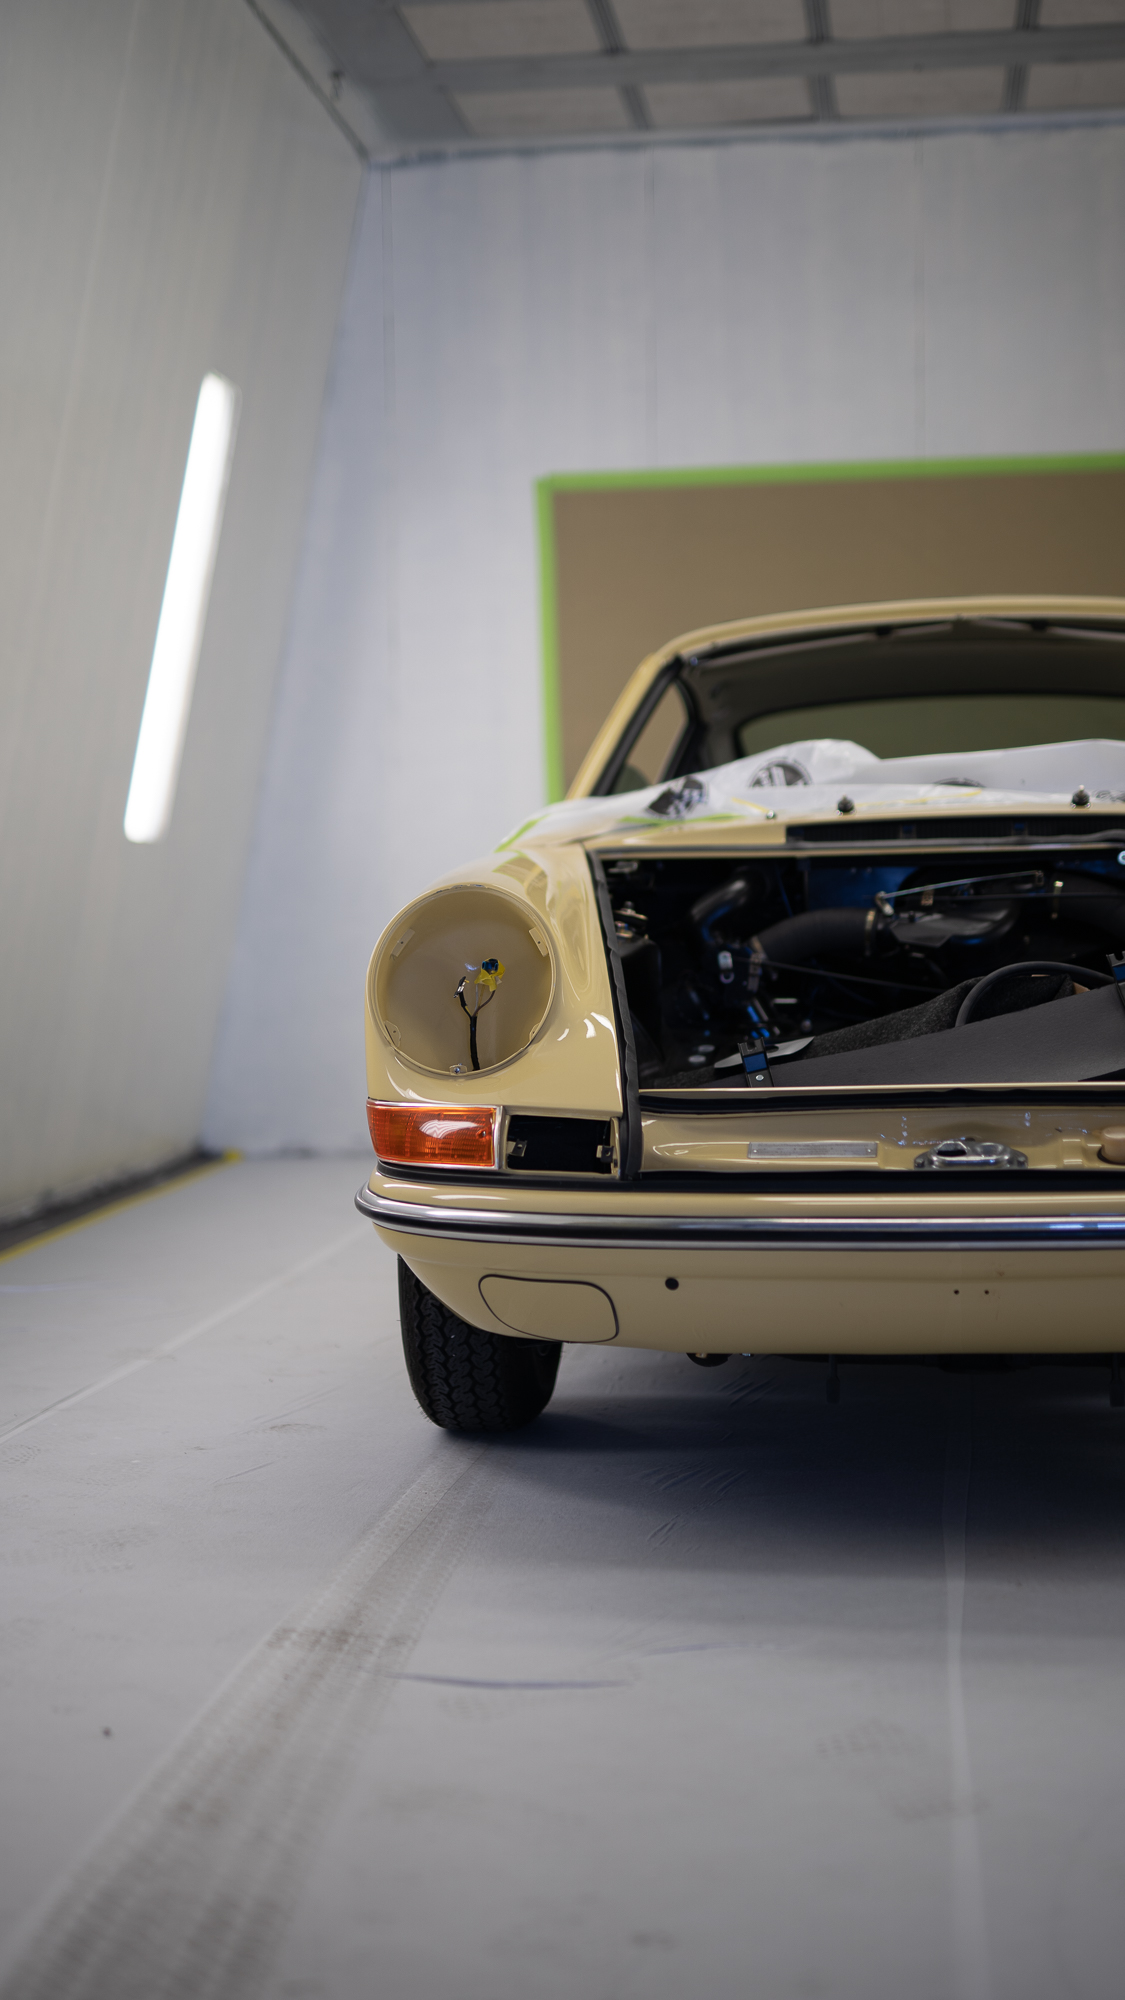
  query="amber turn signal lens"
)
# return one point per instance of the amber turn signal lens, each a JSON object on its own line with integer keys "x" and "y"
{"x": 433, "y": 1135}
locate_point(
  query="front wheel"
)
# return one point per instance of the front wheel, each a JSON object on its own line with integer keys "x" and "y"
{"x": 466, "y": 1379}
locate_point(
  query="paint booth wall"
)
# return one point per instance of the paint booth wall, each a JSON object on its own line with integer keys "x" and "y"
{"x": 172, "y": 200}
{"x": 515, "y": 316}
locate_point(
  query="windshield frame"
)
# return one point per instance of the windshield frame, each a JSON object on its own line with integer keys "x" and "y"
{"x": 956, "y": 651}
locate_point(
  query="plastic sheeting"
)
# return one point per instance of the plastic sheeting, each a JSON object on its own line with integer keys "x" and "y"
{"x": 802, "y": 780}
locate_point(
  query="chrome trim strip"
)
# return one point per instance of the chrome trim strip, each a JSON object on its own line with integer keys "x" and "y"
{"x": 746, "y": 1232}
{"x": 812, "y": 1149}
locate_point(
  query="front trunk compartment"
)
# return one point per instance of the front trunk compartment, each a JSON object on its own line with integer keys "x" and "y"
{"x": 962, "y": 993}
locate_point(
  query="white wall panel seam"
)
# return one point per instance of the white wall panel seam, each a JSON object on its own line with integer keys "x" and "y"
{"x": 28, "y": 637}
{"x": 213, "y": 228}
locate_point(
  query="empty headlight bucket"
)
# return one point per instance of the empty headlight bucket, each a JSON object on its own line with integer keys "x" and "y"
{"x": 481, "y": 940}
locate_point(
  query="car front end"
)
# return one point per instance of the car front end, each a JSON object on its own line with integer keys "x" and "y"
{"x": 830, "y": 1065}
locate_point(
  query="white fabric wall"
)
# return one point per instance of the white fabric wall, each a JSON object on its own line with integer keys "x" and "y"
{"x": 172, "y": 199}
{"x": 513, "y": 316}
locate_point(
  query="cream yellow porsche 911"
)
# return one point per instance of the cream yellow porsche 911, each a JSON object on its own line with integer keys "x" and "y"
{"x": 798, "y": 1027}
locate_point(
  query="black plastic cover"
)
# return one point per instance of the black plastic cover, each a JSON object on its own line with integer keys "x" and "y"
{"x": 1075, "y": 1040}
{"x": 1024, "y": 826}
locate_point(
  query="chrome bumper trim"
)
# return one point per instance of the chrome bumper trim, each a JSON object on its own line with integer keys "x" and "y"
{"x": 746, "y": 1232}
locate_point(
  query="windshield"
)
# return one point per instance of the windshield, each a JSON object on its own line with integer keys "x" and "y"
{"x": 951, "y": 686}
{"x": 912, "y": 725}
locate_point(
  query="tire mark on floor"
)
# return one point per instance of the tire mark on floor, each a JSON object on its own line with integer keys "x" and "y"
{"x": 971, "y": 1978}
{"x": 187, "y": 1895}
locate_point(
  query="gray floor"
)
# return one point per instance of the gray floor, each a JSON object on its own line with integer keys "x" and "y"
{"x": 700, "y": 1687}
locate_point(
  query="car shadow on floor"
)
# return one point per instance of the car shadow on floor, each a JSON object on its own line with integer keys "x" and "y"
{"x": 748, "y": 1466}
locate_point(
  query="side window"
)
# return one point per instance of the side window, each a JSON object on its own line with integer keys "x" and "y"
{"x": 649, "y": 755}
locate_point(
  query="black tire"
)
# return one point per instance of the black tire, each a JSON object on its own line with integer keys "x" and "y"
{"x": 466, "y": 1379}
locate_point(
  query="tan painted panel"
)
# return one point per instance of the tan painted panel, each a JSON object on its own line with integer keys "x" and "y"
{"x": 806, "y": 1302}
{"x": 634, "y": 566}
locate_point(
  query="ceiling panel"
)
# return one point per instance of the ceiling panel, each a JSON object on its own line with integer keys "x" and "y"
{"x": 469, "y": 30}
{"x": 541, "y": 114}
{"x": 866, "y": 20}
{"x": 701, "y": 24}
{"x": 921, "y": 93}
{"x": 1076, "y": 86}
{"x": 739, "y": 101}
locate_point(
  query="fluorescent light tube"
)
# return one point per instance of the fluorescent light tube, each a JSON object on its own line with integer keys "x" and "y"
{"x": 183, "y": 612}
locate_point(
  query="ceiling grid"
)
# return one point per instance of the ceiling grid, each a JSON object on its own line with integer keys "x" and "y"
{"x": 446, "y": 72}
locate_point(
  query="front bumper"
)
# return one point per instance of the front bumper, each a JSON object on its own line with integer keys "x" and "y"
{"x": 538, "y": 1229}
{"x": 692, "y": 1273}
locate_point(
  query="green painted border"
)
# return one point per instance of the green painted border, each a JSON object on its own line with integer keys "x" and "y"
{"x": 737, "y": 475}
{"x": 545, "y": 490}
